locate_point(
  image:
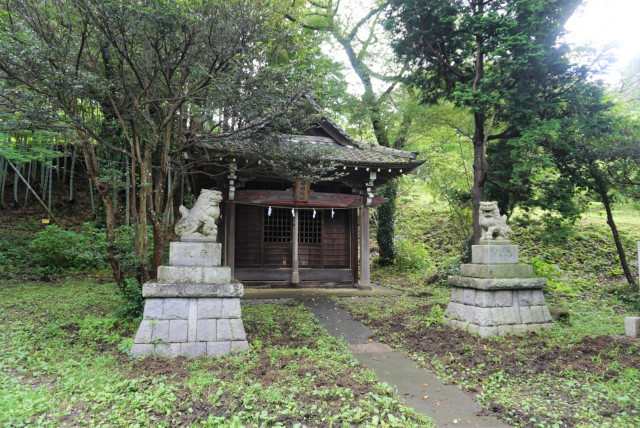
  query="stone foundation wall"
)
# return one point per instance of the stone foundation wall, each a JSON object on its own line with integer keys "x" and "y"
{"x": 190, "y": 326}
{"x": 193, "y": 308}
{"x": 497, "y": 311}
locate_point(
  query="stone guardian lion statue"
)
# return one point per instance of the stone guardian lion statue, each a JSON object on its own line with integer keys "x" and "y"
{"x": 202, "y": 217}
{"x": 493, "y": 225}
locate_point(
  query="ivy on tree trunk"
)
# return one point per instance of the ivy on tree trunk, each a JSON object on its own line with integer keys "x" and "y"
{"x": 387, "y": 223}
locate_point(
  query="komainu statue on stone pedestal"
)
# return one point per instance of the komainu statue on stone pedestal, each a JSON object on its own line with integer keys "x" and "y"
{"x": 202, "y": 217}
{"x": 493, "y": 225}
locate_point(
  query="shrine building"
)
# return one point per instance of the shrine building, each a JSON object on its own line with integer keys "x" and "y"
{"x": 281, "y": 233}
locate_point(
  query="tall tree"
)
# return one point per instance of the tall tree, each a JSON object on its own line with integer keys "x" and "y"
{"x": 357, "y": 29}
{"x": 500, "y": 58}
{"x": 592, "y": 141}
{"x": 146, "y": 80}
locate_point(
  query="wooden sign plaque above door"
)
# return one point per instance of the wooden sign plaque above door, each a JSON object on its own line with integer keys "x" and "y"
{"x": 301, "y": 191}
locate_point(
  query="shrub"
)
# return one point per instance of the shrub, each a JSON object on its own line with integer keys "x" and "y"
{"x": 131, "y": 300}
{"x": 129, "y": 293}
{"x": 412, "y": 256}
{"x": 542, "y": 269}
{"x": 15, "y": 256}
{"x": 450, "y": 268}
{"x": 125, "y": 251}
{"x": 57, "y": 250}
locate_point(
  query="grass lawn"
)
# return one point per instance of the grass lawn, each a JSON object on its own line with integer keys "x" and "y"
{"x": 63, "y": 361}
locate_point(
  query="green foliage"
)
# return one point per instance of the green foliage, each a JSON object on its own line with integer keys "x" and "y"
{"x": 468, "y": 247}
{"x": 99, "y": 330}
{"x": 504, "y": 61}
{"x": 412, "y": 256}
{"x": 435, "y": 316}
{"x": 124, "y": 248}
{"x": 27, "y": 147}
{"x": 446, "y": 270}
{"x": 557, "y": 229}
{"x": 427, "y": 233}
{"x": 542, "y": 269}
{"x": 15, "y": 255}
{"x": 130, "y": 291}
{"x": 57, "y": 250}
{"x": 241, "y": 89}
{"x": 131, "y": 300}
{"x": 442, "y": 135}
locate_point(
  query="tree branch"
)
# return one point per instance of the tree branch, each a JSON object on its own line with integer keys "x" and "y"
{"x": 439, "y": 57}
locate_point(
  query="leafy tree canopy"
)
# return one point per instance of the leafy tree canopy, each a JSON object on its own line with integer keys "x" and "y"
{"x": 145, "y": 80}
{"x": 499, "y": 58}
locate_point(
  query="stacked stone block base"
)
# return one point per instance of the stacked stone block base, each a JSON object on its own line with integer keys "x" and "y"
{"x": 497, "y": 312}
{"x": 632, "y": 326}
{"x": 193, "y": 309}
{"x": 190, "y": 326}
{"x": 495, "y": 295}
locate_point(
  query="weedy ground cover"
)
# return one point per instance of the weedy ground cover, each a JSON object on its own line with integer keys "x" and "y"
{"x": 583, "y": 372}
{"x": 63, "y": 361}
{"x": 579, "y": 373}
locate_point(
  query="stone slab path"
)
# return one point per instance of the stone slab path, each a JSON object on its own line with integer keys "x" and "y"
{"x": 446, "y": 405}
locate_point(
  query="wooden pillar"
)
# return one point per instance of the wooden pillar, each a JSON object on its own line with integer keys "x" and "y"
{"x": 295, "y": 274}
{"x": 353, "y": 244}
{"x": 364, "y": 247}
{"x": 231, "y": 236}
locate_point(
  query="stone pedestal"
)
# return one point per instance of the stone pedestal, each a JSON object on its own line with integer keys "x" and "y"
{"x": 193, "y": 308}
{"x": 497, "y": 295}
{"x": 632, "y": 326}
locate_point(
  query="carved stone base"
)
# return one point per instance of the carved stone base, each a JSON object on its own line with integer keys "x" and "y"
{"x": 497, "y": 295}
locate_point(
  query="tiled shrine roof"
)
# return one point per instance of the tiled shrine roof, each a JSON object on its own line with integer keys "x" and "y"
{"x": 361, "y": 153}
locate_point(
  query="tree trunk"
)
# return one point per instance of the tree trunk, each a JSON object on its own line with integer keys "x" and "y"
{"x": 27, "y": 182}
{"x": 145, "y": 194}
{"x": 157, "y": 227}
{"x": 614, "y": 231}
{"x": 45, "y": 181}
{"x": 43, "y": 178}
{"x": 133, "y": 205}
{"x": 15, "y": 186}
{"x": 479, "y": 173}
{"x": 71, "y": 172}
{"x": 91, "y": 163}
{"x": 158, "y": 244}
{"x": 93, "y": 204}
{"x": 3, "y": 180}
{"x": 127, "y": 189}
{"x": 50, "y": 187}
